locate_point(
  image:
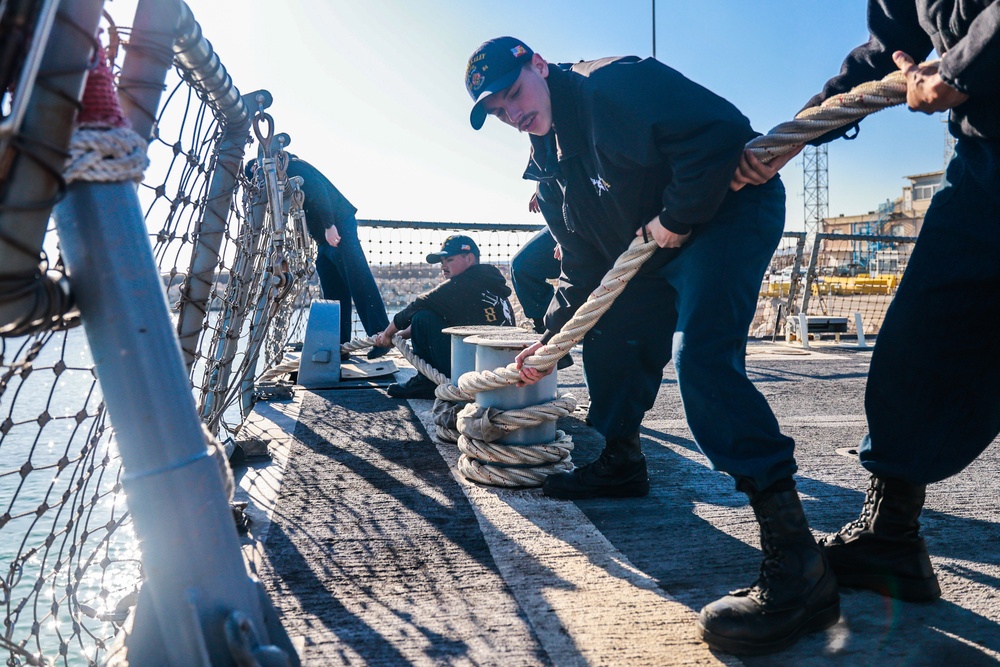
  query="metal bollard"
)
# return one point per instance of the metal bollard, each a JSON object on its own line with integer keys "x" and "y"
{"x": 319, "y": 365}
{"x": 463, "y": 353}
{"x": 496, "y": 350}
{"x": 859, "y": 325}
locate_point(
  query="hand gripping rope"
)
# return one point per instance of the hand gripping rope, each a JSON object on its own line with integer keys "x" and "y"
{"x": 503, "y": 465}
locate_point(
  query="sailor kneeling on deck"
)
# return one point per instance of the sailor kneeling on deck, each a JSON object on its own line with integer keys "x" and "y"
{"x": 473, "y": 293}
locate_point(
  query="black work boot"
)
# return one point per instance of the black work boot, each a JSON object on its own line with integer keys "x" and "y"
{"x": 417, "y": 386}
{"x": 882, "y": 549}
{"x": 795, "y": 594}
{"x": 620, "y": 472}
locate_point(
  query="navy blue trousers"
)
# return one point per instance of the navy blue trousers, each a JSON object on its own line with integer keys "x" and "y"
{"x": 530, "y": 270}
{"x": 345, "y": 276}
{"x": 933, "y": 393}
{"x": 428, "y": 341}
{"x": 697, "y": 310}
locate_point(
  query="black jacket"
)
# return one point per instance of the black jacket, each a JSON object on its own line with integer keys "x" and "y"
{"x": 966, "y": 33}
{"x": 323, "y": 204}
{"x": 477, "y": 295}
{"x": 634, "y": 139}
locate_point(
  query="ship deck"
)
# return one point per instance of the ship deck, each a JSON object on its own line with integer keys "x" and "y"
{"x": 377, "y": 552}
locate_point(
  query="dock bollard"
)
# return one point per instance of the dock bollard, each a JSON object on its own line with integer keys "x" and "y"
{"x": 509, "y": 436}
{"x": 463, "y": 360}
{"x": 859, "y": 327}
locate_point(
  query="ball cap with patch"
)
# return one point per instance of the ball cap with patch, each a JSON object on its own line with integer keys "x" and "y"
{"x": 494, "y": 66}
{"x": 454, "y": 245}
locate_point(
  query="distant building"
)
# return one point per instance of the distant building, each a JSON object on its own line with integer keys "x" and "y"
{"x": 902, "y": 217}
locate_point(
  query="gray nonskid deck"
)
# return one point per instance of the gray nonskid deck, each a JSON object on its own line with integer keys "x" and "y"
{"x": 381, "y": 554}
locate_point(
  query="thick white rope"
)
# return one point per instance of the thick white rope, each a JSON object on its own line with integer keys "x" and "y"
{"x": 614, "y": 281}
{"x": 473, "y": 469}
{"x": 357, "y": 345}
{"x": 485, "y": 461}
{"x": 535, "y": 415}
{"x": 835, "y": 112}
{"x": 491, "y": 453}
{"x": 285, "y": 367}
{"x": 106, "y": 155}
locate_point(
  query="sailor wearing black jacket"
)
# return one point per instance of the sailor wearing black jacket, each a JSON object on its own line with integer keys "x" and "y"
{"x": 642, "y": 150}
{"x": 932, "y": 406}
{"x": 473, "y": 293}
{"x": 344, "y": 273}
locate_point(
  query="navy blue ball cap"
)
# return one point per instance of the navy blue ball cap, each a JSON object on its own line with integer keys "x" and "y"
{"x": 494, "y": 66}
{"x": 456, "y": 244}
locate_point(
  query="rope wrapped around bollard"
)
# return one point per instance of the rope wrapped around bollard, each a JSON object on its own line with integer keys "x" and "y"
{"x": 484, "y": 460}
{"x": 497, "y": 464}
{"x": 489, "y": 462}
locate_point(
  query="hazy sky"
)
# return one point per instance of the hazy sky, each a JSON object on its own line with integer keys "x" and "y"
{"x": 372, "y": 91}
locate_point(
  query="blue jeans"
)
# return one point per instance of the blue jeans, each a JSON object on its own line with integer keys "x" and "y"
{"x": 933, "y": 393}
{"x": 697, "y": 310}
{"x": 530, "y": 270}
{"x": 345, "y": 276}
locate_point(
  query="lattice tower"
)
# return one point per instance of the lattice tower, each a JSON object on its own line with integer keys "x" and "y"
{"x": 816, "y": 188}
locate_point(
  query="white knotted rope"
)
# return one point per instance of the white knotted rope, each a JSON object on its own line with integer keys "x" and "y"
{"x": 106, "y": 155}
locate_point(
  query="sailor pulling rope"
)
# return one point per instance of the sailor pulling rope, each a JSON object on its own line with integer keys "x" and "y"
{"x": 785, "y": 138}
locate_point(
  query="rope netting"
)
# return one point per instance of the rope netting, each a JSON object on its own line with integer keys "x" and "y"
{"x": 69, "y": 563}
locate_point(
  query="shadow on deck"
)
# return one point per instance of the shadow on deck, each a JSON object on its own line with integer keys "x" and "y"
{"x": 377, "y": 553}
